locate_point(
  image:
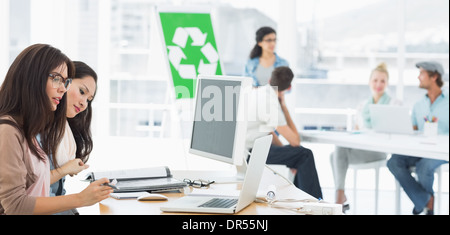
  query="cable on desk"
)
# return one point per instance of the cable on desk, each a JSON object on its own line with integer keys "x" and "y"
{"x": 299, "y": 209}
{"x": 275, "y": 172}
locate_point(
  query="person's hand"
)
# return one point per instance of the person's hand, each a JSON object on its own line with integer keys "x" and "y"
{"x": 95, "y": 192}
{"x": 73, "y": 167}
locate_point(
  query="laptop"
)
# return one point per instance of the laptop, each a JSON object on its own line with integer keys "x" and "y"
{"x": 228, "y": 204}
{"x": 391, "y": 119}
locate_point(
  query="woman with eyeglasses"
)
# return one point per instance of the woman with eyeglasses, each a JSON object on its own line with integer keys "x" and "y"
{"x": 32, "y": 123}
{"x": 263, "y": 59}
{"x": 73, "y": 152}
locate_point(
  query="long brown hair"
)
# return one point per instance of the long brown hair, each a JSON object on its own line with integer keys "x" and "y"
{"x": 23, "y": 96}
{"x": 260, "y": 34}
{"x": 81, "y": 123}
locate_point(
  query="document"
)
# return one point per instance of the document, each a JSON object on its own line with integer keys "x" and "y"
{"x": 144, "y": 179}
{"x": 142, "y": 173}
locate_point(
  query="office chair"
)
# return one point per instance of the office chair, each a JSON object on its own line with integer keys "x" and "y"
{"x": 376, "y": 165}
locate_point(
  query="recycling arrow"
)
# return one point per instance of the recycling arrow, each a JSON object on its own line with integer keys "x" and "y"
{"x": 207, "y": 69}
{"x": 197, "y": 36}
{"x": 182, "y": 34}
{"x": 176, "y": 53}
{"x": 187, "y": 71}
{"x": 210, "y": 53}
{"x": 175, "y": 56}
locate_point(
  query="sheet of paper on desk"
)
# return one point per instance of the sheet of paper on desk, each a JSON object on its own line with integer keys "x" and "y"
{"x": 429, "y": 142}
{"x": 150, "y": 172}
{"x": 214, "y": 192}
{"x": 128, "y": 195}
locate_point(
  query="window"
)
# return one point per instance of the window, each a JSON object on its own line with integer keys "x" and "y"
{"x": 337, "y": 44}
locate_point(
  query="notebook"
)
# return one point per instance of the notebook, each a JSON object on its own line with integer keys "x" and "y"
{"x": 228, "y": 204}
{"x": 391, "y": 119}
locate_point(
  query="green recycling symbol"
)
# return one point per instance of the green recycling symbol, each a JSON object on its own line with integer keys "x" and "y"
{"x": 191, "y": 49}
{"x": 179, "y": 52}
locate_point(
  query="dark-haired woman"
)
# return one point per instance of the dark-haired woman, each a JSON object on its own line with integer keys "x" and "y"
{"x": 32, "y": 123}
{"x": 73, "y": 152}
{"x": 263, "y": 59}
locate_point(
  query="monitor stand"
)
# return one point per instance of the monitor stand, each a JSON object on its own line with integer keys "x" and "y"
{"x": 242, "y": 169}
{"x": 232, "y": 178}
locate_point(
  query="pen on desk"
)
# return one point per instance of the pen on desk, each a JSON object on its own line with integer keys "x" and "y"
{"x": 112, "y": 184}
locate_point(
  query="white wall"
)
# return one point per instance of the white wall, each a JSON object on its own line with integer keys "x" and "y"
{"x": 4, "y": 38}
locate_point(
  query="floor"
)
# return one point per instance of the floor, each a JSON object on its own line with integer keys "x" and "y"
{"x": 365, "y": 204}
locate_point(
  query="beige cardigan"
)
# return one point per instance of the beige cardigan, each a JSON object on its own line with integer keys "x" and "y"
{"x": 16, "y": 172}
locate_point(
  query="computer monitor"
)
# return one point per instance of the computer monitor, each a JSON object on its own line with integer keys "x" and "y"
{"x": 220, "y": 126}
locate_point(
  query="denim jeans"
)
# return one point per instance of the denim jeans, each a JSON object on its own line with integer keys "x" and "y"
{"x": 302, "y": 159}
{"x": 421, "y": 190}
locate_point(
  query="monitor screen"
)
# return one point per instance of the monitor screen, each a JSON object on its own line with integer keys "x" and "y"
{"x": 217, "y": 132}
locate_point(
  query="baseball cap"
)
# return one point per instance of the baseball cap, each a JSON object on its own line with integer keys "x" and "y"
{"x": 431, "y": 66}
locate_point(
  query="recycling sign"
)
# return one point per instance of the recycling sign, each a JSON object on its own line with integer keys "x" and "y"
{"x": 191, "y": 49}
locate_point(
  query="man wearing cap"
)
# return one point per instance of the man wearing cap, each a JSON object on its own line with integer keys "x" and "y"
{"x": 433, "y": 104}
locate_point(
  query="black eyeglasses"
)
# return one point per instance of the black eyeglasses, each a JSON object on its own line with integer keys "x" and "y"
{"x": 58, "y": 80}
{"x": 270, "y": 40}
{"x": 198, "y": 183}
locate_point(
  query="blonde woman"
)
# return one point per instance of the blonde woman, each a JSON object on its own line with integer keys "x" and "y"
{"x": 342, "y": 157}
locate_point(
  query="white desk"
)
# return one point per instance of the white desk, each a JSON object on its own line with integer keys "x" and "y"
{"x": 411, "y": 145}
{"x": 285, "y": 190}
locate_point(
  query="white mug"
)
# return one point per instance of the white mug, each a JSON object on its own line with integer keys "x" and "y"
{"x": 430, "y": 129}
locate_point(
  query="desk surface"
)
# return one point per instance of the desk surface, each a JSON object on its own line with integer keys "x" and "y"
{"x": 285, "y": 190}
{"x": 412, "y": 145}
